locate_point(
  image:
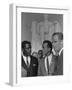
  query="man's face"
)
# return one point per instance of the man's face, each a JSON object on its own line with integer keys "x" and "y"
{"x": 56, "y": 43}
{"x": 46, "y": 49}
{"x": 27, "y": 50}
{"x": 40, "y": 54}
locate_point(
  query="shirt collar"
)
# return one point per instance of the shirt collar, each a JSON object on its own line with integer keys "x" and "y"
{"x": 47, "y": 56}
{"x": 60, "y": 51}
{"x": 24, "y": 57}
{"x": 50, "y": 55}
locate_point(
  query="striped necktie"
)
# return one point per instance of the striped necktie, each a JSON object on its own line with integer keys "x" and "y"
{"x": 48, "y": 65}
{"x": 27, "y": 62}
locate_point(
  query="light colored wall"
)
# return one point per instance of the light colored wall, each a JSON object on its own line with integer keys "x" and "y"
{"x": 27, "y": 19}
{"x": 26, "y": 32}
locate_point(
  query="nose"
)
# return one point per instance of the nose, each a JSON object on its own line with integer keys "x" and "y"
{"x": 52, "y": 44}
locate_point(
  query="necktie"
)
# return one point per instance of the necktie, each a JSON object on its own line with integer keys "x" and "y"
{"x": 27, "y": 62}
{"x": 48, "y": 65}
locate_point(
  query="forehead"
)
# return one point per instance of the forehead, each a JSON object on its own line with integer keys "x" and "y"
{"x": 27, "y": 45}
{"x": 45, "y": 44}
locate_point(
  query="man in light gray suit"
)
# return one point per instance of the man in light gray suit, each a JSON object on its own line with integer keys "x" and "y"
{"x": 57, "y": 41}
{"x": 47, "y": 63}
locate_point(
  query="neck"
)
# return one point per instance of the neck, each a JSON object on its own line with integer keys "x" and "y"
{"x": 60, "y": 48}
{"x": 48, "y": 53}
{"x": 57, "y": 52}
{"x": 25, "y": 55}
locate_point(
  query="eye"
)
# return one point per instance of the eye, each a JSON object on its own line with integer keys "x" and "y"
{"x": 54, "y": 42}
{"x": 42, "y": 46}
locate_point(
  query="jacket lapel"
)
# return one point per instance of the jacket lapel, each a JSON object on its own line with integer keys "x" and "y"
{"x": 24, "y": 64}
{"x": 51, "y": 68}
{"x": 44, "y": 72}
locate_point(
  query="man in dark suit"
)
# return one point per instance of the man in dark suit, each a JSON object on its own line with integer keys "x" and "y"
{"x": 29, "y": 64}
{"x": 47, "y": 63}
{"x": 57, "y": 41}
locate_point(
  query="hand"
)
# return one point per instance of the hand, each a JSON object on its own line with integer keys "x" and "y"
{"x": 23, "y": 72}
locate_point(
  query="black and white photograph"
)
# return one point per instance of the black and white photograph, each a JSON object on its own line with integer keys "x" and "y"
{"x": 38, "y": 45}
{"x": 41, "y": 44}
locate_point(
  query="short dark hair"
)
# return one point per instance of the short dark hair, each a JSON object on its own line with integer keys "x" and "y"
{"x": 49, "y": 44}
{"x": 40, "y": 51}
{"x": 60, "y": 35}
{"x": 24, "y": 44}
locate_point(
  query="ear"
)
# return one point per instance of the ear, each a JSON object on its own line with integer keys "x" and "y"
{"x": 61, "y": 43}
{"x": 50, "y": 49}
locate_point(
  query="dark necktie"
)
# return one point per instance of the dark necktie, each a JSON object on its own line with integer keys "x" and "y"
{"x": 27, "y": 62}
{"x": 48, "y": 65}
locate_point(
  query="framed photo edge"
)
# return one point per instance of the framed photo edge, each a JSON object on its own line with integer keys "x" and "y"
{"x": 13, "y": 80}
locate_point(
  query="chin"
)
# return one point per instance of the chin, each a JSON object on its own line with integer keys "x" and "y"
{"x": 29, "y": 54}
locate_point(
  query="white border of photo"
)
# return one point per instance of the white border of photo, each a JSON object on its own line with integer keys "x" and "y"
{"x": 15, "y": 46}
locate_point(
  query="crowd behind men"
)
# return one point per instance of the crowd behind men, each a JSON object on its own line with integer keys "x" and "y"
{"x": 45, "y": 62}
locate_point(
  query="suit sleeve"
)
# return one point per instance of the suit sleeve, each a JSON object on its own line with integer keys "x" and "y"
{"x": 60, "y": 65}
{"x": 34, "y": 66}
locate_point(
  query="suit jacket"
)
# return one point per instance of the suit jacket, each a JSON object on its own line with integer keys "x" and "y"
{"x": 33, "y": 67}
{"x": 42, "y": 70}
{"x": 59, "y": 65}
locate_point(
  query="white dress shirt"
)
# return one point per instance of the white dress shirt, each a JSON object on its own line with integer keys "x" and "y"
{"x": 25, "y": 59}
{"x": 60, "y": 51}
{"x": 49, "y": 60}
